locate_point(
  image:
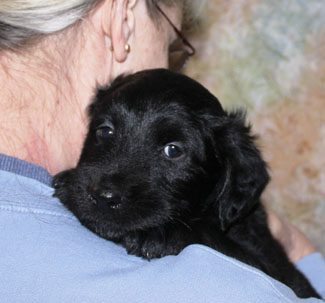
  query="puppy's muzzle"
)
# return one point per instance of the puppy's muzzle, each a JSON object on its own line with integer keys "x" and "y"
{"x": 106, "y": 199}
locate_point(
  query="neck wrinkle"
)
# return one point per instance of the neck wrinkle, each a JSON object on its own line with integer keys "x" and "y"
{"x": 39, "y": 114}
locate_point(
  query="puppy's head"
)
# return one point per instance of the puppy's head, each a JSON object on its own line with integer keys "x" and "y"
{"x": 161, "y": 149}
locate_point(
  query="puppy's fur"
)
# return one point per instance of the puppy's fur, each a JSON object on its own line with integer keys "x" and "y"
{"x": 164, "y": 166}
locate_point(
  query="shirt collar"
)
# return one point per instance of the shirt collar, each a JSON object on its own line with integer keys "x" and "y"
{"x": 26, "y": 169}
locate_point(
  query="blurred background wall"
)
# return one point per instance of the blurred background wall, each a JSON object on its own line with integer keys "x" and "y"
{"x": 269, "y": 57}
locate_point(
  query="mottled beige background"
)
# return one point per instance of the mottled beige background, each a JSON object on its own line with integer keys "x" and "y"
{"x": 269, "y": 56}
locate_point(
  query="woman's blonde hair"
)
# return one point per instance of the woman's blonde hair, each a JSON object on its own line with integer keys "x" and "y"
{"x": 23, "y": 21}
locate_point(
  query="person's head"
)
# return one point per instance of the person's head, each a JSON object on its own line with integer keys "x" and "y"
{"x": 125, "y": 35}
{"x": 55, "y": 53}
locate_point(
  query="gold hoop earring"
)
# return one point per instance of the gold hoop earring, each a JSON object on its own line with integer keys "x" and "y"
{"x": 127, "y": 47}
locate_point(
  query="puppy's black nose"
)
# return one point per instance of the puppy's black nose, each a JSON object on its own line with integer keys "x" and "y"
{"x": 107, "y": 199}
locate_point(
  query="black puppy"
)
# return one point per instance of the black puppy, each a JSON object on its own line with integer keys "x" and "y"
{"x": 164, "y": 166}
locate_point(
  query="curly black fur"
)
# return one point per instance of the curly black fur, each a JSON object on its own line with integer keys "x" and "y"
{"x": 164, "y": 166}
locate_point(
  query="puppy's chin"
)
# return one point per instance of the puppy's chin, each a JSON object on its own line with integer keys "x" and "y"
{"x": 115, "y": 226}
{"x": 116, "y": 222}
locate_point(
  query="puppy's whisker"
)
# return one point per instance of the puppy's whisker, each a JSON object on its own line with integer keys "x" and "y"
{"x": 183, "y": 223}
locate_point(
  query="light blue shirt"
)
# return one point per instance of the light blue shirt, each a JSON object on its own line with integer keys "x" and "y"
{"x": 47, "y": 256}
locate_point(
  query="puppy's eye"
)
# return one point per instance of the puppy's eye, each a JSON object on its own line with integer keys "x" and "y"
{"x": 104, "y": 132}
{"x": 173, "y": 151}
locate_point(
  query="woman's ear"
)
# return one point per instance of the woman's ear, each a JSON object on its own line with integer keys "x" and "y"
{"x": 114, "y": 23}
{"x": 121, "y": 26}
{"x": 245, "y": 172}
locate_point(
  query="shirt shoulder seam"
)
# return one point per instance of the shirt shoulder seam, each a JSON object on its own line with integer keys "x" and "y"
{"x": 34, "y": 210}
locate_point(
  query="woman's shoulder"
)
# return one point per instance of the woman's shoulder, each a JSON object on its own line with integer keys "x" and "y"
{"x": 48, "y": 256}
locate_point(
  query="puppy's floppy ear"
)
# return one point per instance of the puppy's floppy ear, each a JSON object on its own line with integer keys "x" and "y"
{"x": 245, "y": 172}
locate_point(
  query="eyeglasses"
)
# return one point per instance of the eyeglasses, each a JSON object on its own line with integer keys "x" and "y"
{"x": 181, "y": 49}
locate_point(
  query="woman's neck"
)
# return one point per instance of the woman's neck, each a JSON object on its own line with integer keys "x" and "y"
{"x": 42, "y": 124}
{"x": 43, "y": 110}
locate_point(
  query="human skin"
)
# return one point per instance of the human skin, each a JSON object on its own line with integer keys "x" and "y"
{"x": 48, "y": 86}
{"x": 295, "y": 243}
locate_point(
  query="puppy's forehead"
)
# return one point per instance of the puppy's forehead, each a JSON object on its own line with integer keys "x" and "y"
{"x": 158, "y": 89}
{"x": 166, "y": 87}
{"x": 163, "y": 116}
